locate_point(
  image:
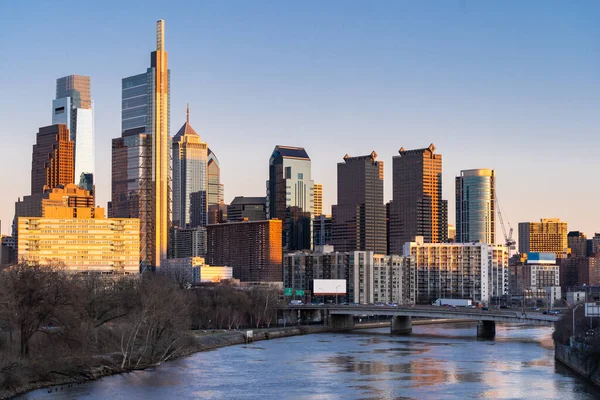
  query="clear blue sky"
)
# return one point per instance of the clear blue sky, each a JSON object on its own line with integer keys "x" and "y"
{"x": 509, "y": 85}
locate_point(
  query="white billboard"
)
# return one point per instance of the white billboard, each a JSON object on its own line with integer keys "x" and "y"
{"x": 592, "y": 309}
{"x": 329, "y": 287}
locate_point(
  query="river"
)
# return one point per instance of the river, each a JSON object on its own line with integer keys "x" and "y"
{"x": 443, "y": 361}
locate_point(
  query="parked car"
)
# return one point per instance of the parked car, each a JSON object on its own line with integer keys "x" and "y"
{"x": 534, "y": 309}
{"x": 485, "y": 309}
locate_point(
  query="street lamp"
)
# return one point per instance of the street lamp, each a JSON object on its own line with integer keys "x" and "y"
{"x": 574, "y": 308}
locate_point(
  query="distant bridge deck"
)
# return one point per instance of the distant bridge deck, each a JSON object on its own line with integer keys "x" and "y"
{"x": 472, "y": 314}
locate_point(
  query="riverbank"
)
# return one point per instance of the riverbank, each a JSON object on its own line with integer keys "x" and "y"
{"x": 198, "y": 341}
{"x": 576, "y": 360}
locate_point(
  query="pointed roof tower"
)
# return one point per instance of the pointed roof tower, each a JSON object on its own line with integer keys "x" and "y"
{"x": 187, "y": 129}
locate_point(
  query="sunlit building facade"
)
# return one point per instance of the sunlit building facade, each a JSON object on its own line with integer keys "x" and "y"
{"x": 141, "y": 157}
{"x": 74, "y": 107}
{"x": 52, "y": 158}
{"x": 190, "y": 158}
{"x": 549, "y": 236}
{"x": 417, "y": 205}
{"x": 252, "y": 248}
{"x": 318, "y": 199}
{"x": 476, "y": 271}
{"x": 97, "y": 244}
{"x": 476, "y": 206}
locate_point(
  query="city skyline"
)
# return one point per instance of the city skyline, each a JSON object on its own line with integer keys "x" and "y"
{"x": 522, "y": 156}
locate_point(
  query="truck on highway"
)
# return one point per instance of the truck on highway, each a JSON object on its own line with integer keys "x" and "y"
{"x": 453, "y": 302}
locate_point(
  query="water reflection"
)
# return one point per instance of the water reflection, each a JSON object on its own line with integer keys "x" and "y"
{"x": 436, "y": 362}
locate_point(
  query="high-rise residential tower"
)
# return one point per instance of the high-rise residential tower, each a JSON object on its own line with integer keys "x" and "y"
{"x": 215, "y": 190}
{"x": 359, "y": 215}
{"x": 417, "y": 206}
{"x": 290, "y": 194}
{"x": 141, "y": 167}
{"x": 52, "y": 159}
{"x": 190, "y": 157}
{"x": 577, "y": 242}
{"x": 475, "y": 206}
{"x": 74, "y": 107}
{"x": 549, "y": 235}
{"x": 318, "y": 199}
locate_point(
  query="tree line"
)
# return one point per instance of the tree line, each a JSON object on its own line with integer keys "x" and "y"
{"x": 55, "y": 324}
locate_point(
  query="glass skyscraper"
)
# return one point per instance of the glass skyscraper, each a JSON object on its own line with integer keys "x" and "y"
{"x": 74, "y": 108}
{"x": 290, "y": 195}
{"x": 215, "y": 190}
{"x": 141, "y": 167}
{"x": 190, "y": 158}
{"x": 476, "y": 206}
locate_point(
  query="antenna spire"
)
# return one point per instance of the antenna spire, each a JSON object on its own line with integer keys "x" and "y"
{"x": 187, "y": 113}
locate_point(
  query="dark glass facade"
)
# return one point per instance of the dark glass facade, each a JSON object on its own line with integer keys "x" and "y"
{"x": 359, "y": 215}
{"x": 475, "y": 206}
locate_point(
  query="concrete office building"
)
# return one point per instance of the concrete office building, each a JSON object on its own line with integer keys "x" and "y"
{"x": 190, "y": 195}
{"x": 417, "y": 205}
{"x": 370, "y": 277}
{"x": 547, "y": 236}
{"x": 290, "y": 195}
{"x": 88, "y": 242}
{"x": 318, "y": 199}
{"x": 141, "y": 156}
{"x": 476, "y": 271}
{"x": 247, "y": 208}
{"x": 217, "y": 210}
{"x": 252, "y": 248}
{"x": 476, "y": 206}
{"x": 359, "y": 215}
{"x": 52, "y": 158}
{"x": 187, "y": 242}
{"x": 74, "y": 108}
{"x": 536, "y": 279}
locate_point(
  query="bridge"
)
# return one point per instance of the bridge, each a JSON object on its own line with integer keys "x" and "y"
{"x": 341, "y": 317}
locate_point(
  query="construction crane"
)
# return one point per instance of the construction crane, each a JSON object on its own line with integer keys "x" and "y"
{"x": 508, "y": 240}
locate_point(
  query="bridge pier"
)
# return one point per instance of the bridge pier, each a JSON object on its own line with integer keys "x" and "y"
{"x": 401, "y": 325}
{"x": 341, "y": 322}
{"x": 486, "y": 329}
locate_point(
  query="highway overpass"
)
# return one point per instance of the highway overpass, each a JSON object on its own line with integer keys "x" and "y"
{"x": 341, "y": 317}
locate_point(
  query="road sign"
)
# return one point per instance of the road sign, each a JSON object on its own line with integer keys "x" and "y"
{"x": 299, "y": 292}
{"x": 287, "y": 291}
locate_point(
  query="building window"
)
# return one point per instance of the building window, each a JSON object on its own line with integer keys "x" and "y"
{"x": 300, "y": 176}
{"x": 288, "y": 172}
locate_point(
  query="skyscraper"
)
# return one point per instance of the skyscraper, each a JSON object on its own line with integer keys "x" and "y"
{"x": 417, "y": 206}
{"x": 549, "y": 235}
{"x": 74, "y": 107}
{"x": 141, "y": 156}
{"x": 318, "y": 199}
{"x": 190, "y": 157}
{"x": 215, "y": 189}
{"x": 290, "y": 185}
{"x": 251, "y": 248}
{"x": 52, "y": 158}
{"x": 359, "y": 215}
{"x": 475, "y": 206}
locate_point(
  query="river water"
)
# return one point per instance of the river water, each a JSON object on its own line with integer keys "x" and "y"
{"x": 443, "y": 361}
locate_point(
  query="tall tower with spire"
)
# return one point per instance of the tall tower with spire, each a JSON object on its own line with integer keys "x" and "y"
{"x": 190, "y": 158}
{"x": 141, "y": 185}
{"x": 161, "y": 146}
